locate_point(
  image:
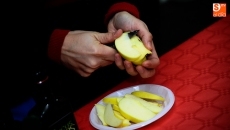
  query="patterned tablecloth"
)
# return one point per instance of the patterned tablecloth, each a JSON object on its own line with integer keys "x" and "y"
{"x": 198, "y": 73}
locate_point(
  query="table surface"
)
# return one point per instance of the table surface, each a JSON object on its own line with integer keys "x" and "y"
{"x": 198, "y": 73}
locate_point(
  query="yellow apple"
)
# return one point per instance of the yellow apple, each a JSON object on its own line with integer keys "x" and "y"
{"x": 151, "y": 106}
{"x": 100, "y": 113}
{"x": 118, "y": 99}
{"x": 125, "y": 122}
{"x": 111, "y": 100}
{"x": 131, "y": 49}
{"x": 115, "y": 107}
{"x": 110, "y": 118}
{"x": 147, "y": 95}
{"x": 118, "y": 115}
{"x": 134, "y": 111}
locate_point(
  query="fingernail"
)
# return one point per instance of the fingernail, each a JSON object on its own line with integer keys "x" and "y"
{"x": 149, "y": 45}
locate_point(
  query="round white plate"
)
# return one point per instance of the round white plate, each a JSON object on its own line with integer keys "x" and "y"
{"x": 153, "y": 88}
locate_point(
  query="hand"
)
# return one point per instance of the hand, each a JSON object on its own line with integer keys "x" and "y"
{"x": 84, "y": 51}
{"x": 127, "y": 22}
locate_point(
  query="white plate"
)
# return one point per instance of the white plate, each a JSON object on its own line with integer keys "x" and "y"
{"x": 153, "y": 88}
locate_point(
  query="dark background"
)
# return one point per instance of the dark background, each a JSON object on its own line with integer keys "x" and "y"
{"x": 171, "y": 22}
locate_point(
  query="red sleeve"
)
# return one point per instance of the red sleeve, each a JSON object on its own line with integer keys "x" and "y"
{"x": 121, "y": 6}
{"x": 55, "y": 44}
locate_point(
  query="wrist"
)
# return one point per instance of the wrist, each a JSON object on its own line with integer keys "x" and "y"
{"x": 55, "y": 44}
{"x": 119, "y": 7}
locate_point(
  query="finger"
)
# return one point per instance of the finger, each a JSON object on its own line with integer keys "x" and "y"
{"x": 146, "y": 38}
{"x": 154, "y": 52}
{"x": 106, "y": 63}
{"x": 151, "y": 64}
{"x": 111, "y": 27}
{"x": 130, "y": 68}
{"x": 119, "y": 61}
{"x": 145, "y": 73}
{"x": 106, "y": 38}
{"x": 106, "y": 53}
{"x": 152, "y": 60}
{"x": 83, "y": 73}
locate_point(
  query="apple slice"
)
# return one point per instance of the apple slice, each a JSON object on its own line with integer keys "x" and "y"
{"x": 131, "y": 49}
{"x": 115, "y": 107}
{"x": 147, "y": 95}
{"x": 118, "y": 115}
{"x": 149, "y": 105}
{"x": 125, "y": 122}
{"x": 110, "y": 118}
{"x": 100, "y": 113}
{"x": 111, "y": 100}
{"x": 134, "y": 111}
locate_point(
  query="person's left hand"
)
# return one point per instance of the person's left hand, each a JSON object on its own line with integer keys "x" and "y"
{"x": 127, "y": 22}
{"x": 85, "y": 51}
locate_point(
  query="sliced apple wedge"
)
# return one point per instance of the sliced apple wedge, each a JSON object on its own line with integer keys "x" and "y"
{"x": 115, "y": 107}
{"x": 147, "y": 95}
{"x": 125, "y": 122}
{"x": 110, "y": 118}
{"x": 134, "y": 111}
{"x": 118, "y": 115}
{"x": 111, "y": 100}
{"x": 131, "y": 49}
{"x": 151, "y": 106}
{"x": 100, "y": 113}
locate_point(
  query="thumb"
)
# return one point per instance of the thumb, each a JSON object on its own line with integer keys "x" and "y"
{"x": 106, "y": 38}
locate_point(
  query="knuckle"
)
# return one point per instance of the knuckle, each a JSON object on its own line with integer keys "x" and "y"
{"x": 94, "y": 64}
{"x": 85, "y": 74}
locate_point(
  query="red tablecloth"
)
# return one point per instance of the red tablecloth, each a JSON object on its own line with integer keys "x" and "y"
{"x": 198, "y": 73}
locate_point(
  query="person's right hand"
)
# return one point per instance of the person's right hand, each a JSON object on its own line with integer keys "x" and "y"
{"x": 127, "y": 22}
{"x": 84, "y": 51}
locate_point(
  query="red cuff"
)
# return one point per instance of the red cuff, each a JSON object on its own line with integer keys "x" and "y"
{"x": 121, "y": 6}
{"x": 55, "y": 44}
